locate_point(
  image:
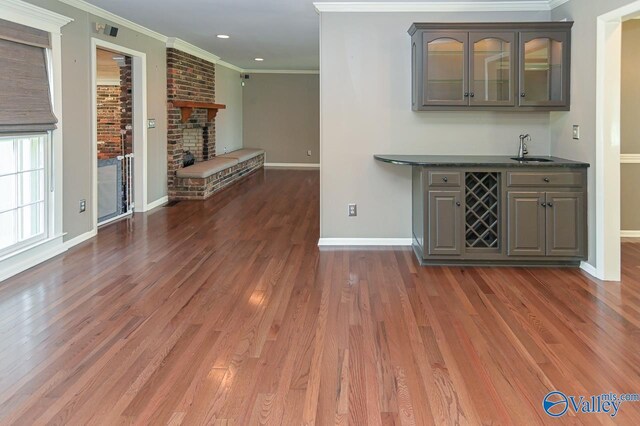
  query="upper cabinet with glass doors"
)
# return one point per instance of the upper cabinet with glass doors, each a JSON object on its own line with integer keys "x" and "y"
{"x": 497, "y": 66}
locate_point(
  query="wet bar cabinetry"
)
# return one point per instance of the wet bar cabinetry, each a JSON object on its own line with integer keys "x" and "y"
{"x": 493, "y": 210}
{"x": 491, "y": 66}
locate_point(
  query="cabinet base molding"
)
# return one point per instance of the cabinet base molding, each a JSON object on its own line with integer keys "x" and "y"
{"x": 514, "y": 263}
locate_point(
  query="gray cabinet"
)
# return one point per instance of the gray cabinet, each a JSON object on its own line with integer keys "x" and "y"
{"x": 526, "y": 227}
{"x": 544, "y": 68}
{"x": 491, "y": 66}
{"x": 445, "y": 223}
{"x": 546, "y": 224}
{"x": 505, "y": 215}
{"x": 445, "y": 68}
{"x": 565, "y": 224}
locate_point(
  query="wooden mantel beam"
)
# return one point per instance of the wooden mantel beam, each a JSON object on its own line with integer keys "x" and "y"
{"x": 187, "y": 107}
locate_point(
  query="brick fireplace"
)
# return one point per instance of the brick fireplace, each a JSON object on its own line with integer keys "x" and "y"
{"x": 189, "y": 78}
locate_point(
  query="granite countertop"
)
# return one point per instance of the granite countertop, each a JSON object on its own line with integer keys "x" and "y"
{"x": 475, "y": 161}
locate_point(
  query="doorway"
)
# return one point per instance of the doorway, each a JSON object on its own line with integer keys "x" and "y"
{"x": 114, "y": 125}
{"x": 608, "y": 121}
{"x": 119, "y": 143}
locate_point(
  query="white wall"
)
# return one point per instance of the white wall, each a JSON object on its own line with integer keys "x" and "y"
{"x": 365, "y": 82}
{"x": 583, "y": 95}
{"x": 229, "y": 120}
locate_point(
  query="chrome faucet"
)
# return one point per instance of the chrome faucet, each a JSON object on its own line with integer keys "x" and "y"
{"x": 522, "y": 149}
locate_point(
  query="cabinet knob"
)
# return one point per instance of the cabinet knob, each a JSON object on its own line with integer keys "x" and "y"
{"x": 473, "y": 95}
{"x": 543, "y": 204}
{"x": 458, "y": 203}
{"x": 523, "y": 95}
{"x": 547, "y": 180}
{"x": 550, "y": 204}
{"x": 446, "y": 179}
{"x": 466, "y": 94}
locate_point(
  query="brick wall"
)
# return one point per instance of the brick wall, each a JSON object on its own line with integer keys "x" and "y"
{"x": 109, "y": 117}
{"x": 188, "y": 79}
{"x": 203, "y": 188}
{"x": 115, "y": 113}
{"x": 126, "y": 102}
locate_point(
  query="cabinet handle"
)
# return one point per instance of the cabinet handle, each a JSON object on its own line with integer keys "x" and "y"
{"x": 523, "y": 95}
{"x": 466, "y": 94}
{"x": 543, "y": 204}
{"x": 550, "y": 204}
{"x": 547, "y": 180}
{"x": 473, "y": 95}
{"x": 446, "y": 179}
{"x": 458, "y": 203}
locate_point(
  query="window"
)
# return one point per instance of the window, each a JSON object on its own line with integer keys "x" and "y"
{"x": 23, "y": 191}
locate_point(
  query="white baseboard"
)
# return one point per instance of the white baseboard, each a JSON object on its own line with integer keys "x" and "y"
{"x": 156, "y": 203}
{"x": 80, "y": 239}
{"x": 630, "y": 234}
{"x": 31, "y": 257}
{"x": 294, "y": 165}
{"x": 337, "y": 242}
{"x": 589, "y": 269}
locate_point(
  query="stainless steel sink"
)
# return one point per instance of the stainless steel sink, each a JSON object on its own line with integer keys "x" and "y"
{"x": 532, "y": 159}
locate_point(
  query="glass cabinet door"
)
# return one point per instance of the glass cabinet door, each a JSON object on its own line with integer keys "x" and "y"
{"x": 445, "y": 68}
{"x": 492, "y": 69}
{"x": 543, "y": 69}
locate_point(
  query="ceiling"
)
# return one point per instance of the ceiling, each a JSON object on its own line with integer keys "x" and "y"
{"x": 283, "y": 32}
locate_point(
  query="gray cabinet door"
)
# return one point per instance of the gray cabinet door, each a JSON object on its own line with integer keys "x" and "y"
{"x": 445, "y": 223}
{"x": 544, "y": 68}
{"x": 492, "y": 68}
{"x": 565, "y": 223}
{"x": 445, "y": 65}
{"x": 526, "y": 223}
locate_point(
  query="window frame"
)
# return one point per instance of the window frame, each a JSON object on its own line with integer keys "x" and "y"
{"x": 46, "y": 200}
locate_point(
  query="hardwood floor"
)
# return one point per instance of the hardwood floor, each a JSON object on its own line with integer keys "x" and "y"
{"x": 226, "y": 312}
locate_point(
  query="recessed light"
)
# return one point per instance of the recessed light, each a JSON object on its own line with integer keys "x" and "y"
{"x": 222, "y": 36}
{"x": 259, "y": 59}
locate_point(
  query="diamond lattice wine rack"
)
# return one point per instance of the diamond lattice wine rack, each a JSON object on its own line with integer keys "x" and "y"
{"x": 482, "y": 230}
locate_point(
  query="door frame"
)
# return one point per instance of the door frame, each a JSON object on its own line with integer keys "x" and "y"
{"x": 608, "y": 90}
{"x": 139, "y": 82}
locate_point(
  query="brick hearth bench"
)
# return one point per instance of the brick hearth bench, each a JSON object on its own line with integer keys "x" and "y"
{"x": 203, "y": 179}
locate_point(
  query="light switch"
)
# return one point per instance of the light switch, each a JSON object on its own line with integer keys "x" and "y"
{"x": 576, "y": 132}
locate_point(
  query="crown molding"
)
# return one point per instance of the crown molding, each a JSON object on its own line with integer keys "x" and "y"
{"x": 230, "y": 66}
{"x": 440, "y": 6}
{"x": 556, "y": 3}
{"x": 176, "y": 43}
{"x": 32, "y": 16}
{"x": 105, "y": 14}
{"x": 254, "y": 71}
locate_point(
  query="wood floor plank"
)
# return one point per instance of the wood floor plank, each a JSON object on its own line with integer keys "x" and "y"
{"x": 226, "y": 312}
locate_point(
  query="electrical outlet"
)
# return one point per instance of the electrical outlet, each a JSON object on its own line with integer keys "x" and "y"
{"x": 353, "y": 210}
{"x": 83, "y": 206}
{"x": 576, "y": 132}
{"x": 309, "y": 153}
{"x": 151, "y": 123}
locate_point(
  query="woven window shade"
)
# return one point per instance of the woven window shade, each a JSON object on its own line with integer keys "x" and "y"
{"x": 24, "y": 35}
{"x": 25, "y": 96}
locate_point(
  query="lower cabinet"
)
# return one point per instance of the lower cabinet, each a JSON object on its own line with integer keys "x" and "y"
{"x": 526, "y": 224}
{"x": 500, "y": 216}
{"x": 546, "y": 223}
{"x": 565, "y": 224}
{"x": 445, "y": 223}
